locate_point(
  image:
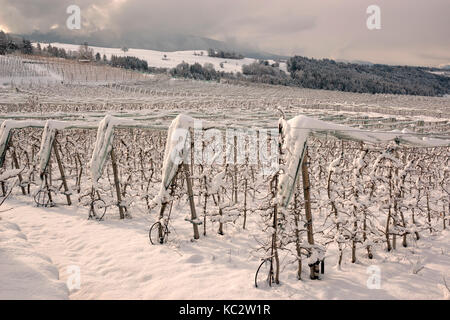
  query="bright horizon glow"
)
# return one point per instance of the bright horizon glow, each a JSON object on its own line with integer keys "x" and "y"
{"x": 4, "y": 28}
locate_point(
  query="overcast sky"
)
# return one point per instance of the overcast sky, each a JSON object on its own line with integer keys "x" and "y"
{"x": 415, "y": 32}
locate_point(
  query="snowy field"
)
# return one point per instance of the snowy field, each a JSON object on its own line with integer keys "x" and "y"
{"x": 160, "y": 59}
{"x": 378, "y": 168}
{"x": 117, "y": 262}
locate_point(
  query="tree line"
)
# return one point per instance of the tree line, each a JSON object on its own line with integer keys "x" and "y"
{"x": 378, "y": 78}
{"x": 10, "y": 44}
{"x": 302, "y": 72}
{"x": 224, "y": 54}
{"x": 327, "y": 74}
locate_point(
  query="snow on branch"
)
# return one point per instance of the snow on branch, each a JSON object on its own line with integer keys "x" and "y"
{"x": 296, "y": 131}
{"x": 5, "y": 134}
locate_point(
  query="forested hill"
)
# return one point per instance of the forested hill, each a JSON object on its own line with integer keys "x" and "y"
{"x": 376, "y": 78}
{"x": 301, "y": 71}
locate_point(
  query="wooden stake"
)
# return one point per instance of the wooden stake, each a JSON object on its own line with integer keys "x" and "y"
{"x": 16, "y": 164}
{"x": 117, "y": 183}
{"x": 235, "y": 186}
{"x": 61, "y": 171}
{"x": 191, "y": 199}
{"x": 308, "y": 214}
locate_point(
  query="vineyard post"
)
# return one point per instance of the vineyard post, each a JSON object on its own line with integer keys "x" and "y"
{"x": 443, "y": 215}
{"x": 308, "y": 214}
{"x": 274, "y": 189}
{"x": 161, "y": 215}
{"x": 205, "y": 182}
{"x": 117, "y": 183}
{"x": 297, "y": 231}
{"x": 335, "y": 211}
{"x": 204, "y": 206}
{"x": 16, "y": 164}
{"x": 388, "y": 220}
{"x": 235, "y": 187}
{"x": 191, "y": 200}
{"x": 192, "y": 132}
{"x": 61, "y": 171}
{"x": 245, "y": 203}
{"x": 428, "y": 205}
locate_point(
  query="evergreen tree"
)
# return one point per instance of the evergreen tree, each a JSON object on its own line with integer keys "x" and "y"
{"x": 27, "y": 48}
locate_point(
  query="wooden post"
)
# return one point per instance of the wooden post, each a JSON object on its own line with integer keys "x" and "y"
{"x": 275, "y": 245}
{"x": 308, "y": 214}
{"x": 16, "y": 164}
{"x": 245, "y": 203}
{"x": 443, "y": 215}
{"x": 386, "y": 231}
{"x": 297, "y": 234}
{"x": 235, "y": 186}
{"x": 3, "y": 188}
{"x": 191, "y": 133}
{"x": 191, "y": 199}
{"x": 117, "y": 183}
{"x": 61, "y": 171}
{"x": 160, "y": 226}
{"x": 274, "y": 189}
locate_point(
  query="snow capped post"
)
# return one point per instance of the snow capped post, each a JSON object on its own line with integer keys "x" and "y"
{"x": 5, "y": 140}
{"x": 103, "y": 147}
{"x": 48, "y": 136}
{"x": 295, "y": 133}
{"x": 6, "y": 134}
{"x": 176, "y": 156}
{"x": 297, "y": 130}
{"x": 48, "y": 142}
{"x": 5, "y": 137}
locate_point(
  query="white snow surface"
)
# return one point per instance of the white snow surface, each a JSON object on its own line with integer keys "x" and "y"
{"x": 25, "y": 273}
{"x": 156, "y": 58}
{"x": 117, "y": 261}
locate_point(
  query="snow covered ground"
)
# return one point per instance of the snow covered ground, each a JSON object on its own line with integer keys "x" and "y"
{"x": 117, "y": 261}
{"x": 162, "y": 59}
{"x": 24, "y": 272}
{"x": 41, "y": 248}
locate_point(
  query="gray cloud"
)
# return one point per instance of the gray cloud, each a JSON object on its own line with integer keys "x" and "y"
{"x": 413, "y": 31}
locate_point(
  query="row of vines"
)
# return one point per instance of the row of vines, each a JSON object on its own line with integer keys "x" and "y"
{"x": 358, "y": 197}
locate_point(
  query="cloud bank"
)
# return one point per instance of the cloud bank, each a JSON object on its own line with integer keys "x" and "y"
{"x": 412, "y": 31}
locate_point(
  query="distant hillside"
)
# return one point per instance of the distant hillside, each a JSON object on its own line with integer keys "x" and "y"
{"x": 377, "y": 78}
{"x": 166, "y": 43}
{"x": 301, "y": 71}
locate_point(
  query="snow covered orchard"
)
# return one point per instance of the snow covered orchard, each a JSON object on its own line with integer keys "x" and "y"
{"x": 301, "y": 189}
